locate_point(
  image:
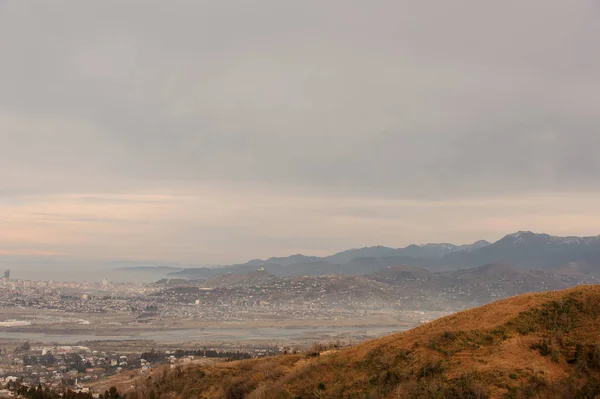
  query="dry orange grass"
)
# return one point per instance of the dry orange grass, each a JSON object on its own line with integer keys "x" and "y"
{"x": 481, "y": 351}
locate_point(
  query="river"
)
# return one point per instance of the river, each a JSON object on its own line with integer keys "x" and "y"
{"x": 226, "y": 335}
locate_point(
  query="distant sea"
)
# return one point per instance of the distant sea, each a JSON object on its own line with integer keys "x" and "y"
{"x": 64, "y": 269}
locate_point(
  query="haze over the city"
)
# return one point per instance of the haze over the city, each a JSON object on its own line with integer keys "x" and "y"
{"x": 218, "y": 132}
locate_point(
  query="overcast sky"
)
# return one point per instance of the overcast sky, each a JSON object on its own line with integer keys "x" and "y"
{"x": 219, "y": 131}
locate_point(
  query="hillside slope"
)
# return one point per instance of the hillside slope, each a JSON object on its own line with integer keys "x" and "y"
{"x": 543, "y": 345}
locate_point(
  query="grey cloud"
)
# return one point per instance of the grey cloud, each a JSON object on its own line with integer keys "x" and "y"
{"x": 433, "y": 99}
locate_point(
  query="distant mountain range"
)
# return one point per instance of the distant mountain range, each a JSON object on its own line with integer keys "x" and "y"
{"x": 412, "y": 251}
{"x": 157, "y": 269}
{"x": 524, "y": 250}
{"x": 429, "y": 277}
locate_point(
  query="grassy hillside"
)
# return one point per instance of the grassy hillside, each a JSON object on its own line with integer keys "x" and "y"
{"x": 544, "y": 345}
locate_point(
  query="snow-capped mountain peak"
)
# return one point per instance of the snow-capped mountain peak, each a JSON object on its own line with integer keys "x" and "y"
{"x": 521, "y": 237}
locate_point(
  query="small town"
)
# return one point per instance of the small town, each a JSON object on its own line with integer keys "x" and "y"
{"x": 300, "y": 298}
{"x": 78, "y": 368}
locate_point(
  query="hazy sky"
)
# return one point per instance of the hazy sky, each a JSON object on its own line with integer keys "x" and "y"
{"x": 219, "y": 131}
